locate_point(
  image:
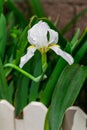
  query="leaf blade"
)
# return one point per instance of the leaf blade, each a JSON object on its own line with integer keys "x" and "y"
{"x": 3, "y": 35}
{"x": 37, "y": 7}
{"x": 3, "y": 84}
{"x": 65, "y": 93}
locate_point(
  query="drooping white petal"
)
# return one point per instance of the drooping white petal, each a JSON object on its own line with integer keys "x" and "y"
{"x": 27, "y": 56}
{"x": 63, "y": 54}
{"x": 53, "y": 36}
{"x": 37, "y": 35}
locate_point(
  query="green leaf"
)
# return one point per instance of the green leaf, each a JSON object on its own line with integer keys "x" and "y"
{"x": 19, "y": 49}
{"x": 65, "y": 93}
{"x": 80, "y": 49}
{"x": 73, "y": 21}
{"x": 21, "y": 96}
{"x": 22, "y": 89}
{"x": 10, "y": 92}
{"x": 1, "y": 6}
{"x": 81, "y": 52}
{"x": 3, "y": 84}
{"x": 74, "y": 40}
{"x": 47, "y": 93}
{"x": 19, "y": 15}
{"x": 22, "y": 44}
{"x": 80, "y": 42}
{"x": 3, "y": 35}
{"x": 37, "y": 7}
{"x": 34, "y": 87}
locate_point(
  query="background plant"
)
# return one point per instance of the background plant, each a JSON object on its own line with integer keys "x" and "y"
{"x": 63, "y": 83}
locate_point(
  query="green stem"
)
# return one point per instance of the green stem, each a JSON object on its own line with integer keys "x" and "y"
{"x": 35, "y": 79}
{"x": 44, "y": 62}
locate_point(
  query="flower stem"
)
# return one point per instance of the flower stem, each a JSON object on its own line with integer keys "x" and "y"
{"x": 36, "y": 79}
{"x": 44, "y": 62}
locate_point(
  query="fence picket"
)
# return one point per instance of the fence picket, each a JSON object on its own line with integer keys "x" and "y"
{"x": 6, "y": 116}
{"x": 34, "y": 116}
{"x": 19, "y": 124}
{"x": 74, "y": 119}
{"x": 79, "y": 121}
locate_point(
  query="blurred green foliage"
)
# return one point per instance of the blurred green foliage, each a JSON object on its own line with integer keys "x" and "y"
{"x": 62, "y": 80}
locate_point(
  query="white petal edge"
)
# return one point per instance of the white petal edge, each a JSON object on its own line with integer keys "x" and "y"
{"x": 63, "y": 54}
{"x": 53, "y": 36}
{"x": 27, "y": 56}
{"x": 37, "y": 35}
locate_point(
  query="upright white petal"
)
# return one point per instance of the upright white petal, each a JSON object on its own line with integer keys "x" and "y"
{"x": 63, "y": 54}
{"x": 53, "y": 36}
{"x": 27, "y": 56}
{"x": 37, "y": 35}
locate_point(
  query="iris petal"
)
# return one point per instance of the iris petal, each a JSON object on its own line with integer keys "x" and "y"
{"x": 27, "y": 56}
{"x": 63, "y": 54}
{"x": 53, "y": 36}
{"x": 37, "y": 35}
{"x": 41, "y": 37}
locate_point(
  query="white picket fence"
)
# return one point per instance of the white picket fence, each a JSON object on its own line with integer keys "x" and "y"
{"x": 74, "y": 119}
{"x": 34, "y": 117}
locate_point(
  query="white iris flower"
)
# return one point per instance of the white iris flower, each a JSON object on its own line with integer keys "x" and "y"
{"x": 42, "y": 38}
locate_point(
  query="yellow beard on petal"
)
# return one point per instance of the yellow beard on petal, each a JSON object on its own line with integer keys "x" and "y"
{"x": 43, "y": 49}
{"x": 53, "y": 44}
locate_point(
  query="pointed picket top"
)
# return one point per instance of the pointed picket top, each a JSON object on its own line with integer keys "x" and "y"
{"x": 6, "y": 116}
{"x": 34, "y": 116}
{"x": 79, "y": 121}
{"x": 74, "y": 119}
